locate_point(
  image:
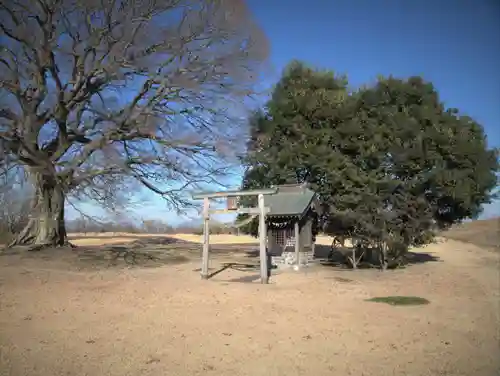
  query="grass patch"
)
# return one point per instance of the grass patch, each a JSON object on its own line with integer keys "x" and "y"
{"x": 400, "y": 300}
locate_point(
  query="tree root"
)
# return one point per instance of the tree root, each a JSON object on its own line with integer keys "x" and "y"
{"x": 23, "y": 238}
{"x": 34, "y": 237}
{"x": 34, "y": 247}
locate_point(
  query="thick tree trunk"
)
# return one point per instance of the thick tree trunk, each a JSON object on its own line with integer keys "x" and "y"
{"x": 45, "y": 227}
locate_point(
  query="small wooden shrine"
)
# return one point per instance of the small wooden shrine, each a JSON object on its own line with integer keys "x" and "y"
{"x": 292, "y": 223}
{"x": 288, "y": 217}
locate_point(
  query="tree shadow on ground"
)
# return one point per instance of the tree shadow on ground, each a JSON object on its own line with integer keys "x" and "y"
{"x": 246, "y": 279}
{"x": 337, "y": 258}
{"x": 124, "y": 256}
{"x": 323, "y": 254}
{"x": 252, "y": 253}
{"x": 129, "y": 251}
{"x": 239, "y": 266}
{"x": 145, "y": 240}
{"x": 150, "y": 252}
{"x": 421, "y": 257}
{"x": 142, "y": 252}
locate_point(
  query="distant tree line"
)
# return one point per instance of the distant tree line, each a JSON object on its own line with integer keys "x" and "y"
{"x": 146, "y": 226}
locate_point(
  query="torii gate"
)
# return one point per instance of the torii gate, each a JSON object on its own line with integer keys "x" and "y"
{"x": 233, "y": 206}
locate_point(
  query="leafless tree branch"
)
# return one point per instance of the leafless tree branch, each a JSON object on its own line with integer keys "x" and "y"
{"x": 98, "y": 92}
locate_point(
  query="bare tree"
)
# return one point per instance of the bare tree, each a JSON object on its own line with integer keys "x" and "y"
{"x": 155, "y": 226}
{"x": 102, "y": 96}
{"x": 14, "y": 203}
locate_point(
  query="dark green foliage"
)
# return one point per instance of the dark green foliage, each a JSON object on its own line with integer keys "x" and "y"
{"x": 400, "y": 300}
{"x": 390, "y": 163}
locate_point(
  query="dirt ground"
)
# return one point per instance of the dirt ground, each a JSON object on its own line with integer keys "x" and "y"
{"x": 118, "y": 310}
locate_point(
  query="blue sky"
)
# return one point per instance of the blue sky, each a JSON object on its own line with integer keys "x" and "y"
{"x": 453, "y": 43}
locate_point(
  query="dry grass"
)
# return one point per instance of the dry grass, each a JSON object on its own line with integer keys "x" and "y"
{"x": 70, "y": 313}
{"x": 484, "y": 233}
{"x": 115, "y": 238}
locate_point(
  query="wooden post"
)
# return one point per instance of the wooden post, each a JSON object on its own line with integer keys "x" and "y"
{"x": 264, "y": 278}
{"x": 270, "y": 241}
{"x": 297, "y": 244}
{"x": 206, "y": 238}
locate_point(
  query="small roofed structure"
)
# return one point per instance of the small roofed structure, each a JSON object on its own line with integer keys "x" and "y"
{"x": 287, "y": 224}
{"x": 291, "y": 224}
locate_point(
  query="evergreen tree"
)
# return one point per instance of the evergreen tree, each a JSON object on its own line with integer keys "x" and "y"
{"x": 389, "y": 162}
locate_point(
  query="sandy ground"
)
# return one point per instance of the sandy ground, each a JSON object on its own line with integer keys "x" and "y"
{"x": 58, "y": 317}
{"x": 120, "y": 237}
